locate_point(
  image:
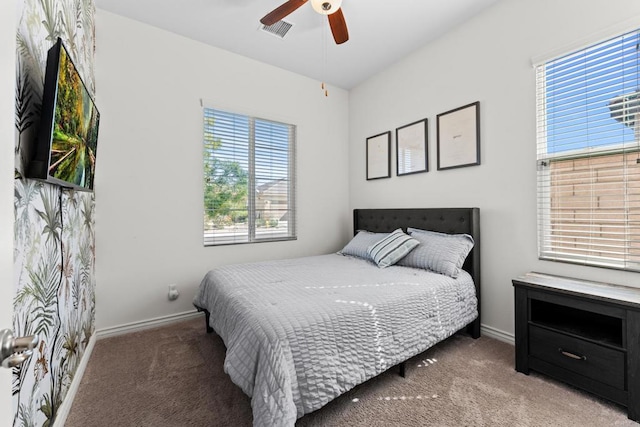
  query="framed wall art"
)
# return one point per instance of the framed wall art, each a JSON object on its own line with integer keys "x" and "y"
{"x": 459, "y": 137}
{"x": 378, "y": 156}
{"x": 411, "y": 148}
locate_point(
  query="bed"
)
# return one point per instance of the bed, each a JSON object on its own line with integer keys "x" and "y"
{"x": 300, "y": 332}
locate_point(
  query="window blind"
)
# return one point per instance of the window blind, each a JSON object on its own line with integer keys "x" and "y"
{"x": 588, "y": 155}
{"x": 249, "y": 179}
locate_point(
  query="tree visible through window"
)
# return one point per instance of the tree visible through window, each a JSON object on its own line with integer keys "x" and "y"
{"x": 249, "y": 171}
{"x": 588, "y": 134}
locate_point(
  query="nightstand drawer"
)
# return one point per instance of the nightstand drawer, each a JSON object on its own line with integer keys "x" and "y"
{"x": 599, "y": 363}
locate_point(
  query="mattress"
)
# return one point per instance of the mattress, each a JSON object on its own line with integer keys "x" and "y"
{"x": 300, "y": 332}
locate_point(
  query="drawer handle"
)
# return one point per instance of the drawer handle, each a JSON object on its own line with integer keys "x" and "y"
{"x": 571, "y": 355}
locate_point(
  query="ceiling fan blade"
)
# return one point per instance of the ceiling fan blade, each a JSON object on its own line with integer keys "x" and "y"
{"x": 281, "y": 11}
{"x": 338, "y": 27}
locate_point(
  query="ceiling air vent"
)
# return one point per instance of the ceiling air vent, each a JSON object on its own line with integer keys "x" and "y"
{"x": 279, "y": 29}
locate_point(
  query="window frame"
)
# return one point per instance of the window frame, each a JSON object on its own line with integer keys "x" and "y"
{"x": 209, "y": 238}
{"x": 546, "y": 249}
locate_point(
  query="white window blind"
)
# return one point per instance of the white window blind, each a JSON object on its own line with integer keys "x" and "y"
{"x": 249, "y": 179}
{"x": 588, "y": 142}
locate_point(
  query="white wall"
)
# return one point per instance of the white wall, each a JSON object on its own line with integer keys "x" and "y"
{"x": 149, "y": 206}
{"x": 487, "y": 59}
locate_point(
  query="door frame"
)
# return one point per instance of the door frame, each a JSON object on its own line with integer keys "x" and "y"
{"x": 8, "y": 27}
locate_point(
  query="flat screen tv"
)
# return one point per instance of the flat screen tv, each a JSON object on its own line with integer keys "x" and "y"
{"x": 65, "y": 152}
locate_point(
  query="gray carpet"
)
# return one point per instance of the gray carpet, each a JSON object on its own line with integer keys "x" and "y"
{"x": 173, "y": 376}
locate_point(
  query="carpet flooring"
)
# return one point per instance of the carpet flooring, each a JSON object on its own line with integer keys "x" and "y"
{"x": 173, "y": 376}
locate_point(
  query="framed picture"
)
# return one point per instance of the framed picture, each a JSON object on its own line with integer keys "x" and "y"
{"x": 411, "y": 148}
{"x": 459, "y": 137}
{"x": 378, "y": 156}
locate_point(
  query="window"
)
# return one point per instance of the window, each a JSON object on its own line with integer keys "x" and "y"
{"x": 588, "y": 154}
{"x": 249, "y": 179}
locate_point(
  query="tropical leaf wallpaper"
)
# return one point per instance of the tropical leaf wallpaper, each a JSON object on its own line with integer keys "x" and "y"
{"x": 54, "y": 254}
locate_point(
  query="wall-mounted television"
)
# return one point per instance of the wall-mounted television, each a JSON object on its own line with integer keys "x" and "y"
{"x": 65, "y": 152}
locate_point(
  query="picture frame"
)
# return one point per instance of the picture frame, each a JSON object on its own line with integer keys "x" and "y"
{"x": 411, "y": 148}
{"x": 458, "y": 137}
{"x": 378, "y": 156}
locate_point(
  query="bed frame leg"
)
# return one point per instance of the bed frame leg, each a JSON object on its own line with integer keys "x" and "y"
{"x": 207, "y": 316}
{"x": 473, "y": 329}
{"x": 403, "y": 366}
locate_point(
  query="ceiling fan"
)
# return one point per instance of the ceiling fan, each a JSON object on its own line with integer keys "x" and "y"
{"x": 331, "y": 8}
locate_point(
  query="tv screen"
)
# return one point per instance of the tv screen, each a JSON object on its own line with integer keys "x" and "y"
{"x": 67, "y": 144}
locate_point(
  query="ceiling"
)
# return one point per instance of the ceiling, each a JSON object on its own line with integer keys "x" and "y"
{"x": 380, "y": 32}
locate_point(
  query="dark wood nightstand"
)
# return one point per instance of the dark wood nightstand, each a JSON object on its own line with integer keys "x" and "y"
{"x": 584, "y": 333}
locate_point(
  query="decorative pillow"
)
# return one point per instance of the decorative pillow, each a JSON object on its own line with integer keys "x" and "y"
{"x": 392, "y": 248}
{"x": 439, "y": 252}
{"x": 360, "y": 243}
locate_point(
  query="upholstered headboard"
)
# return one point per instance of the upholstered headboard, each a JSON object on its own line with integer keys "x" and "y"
{"x": 444, "y": 220}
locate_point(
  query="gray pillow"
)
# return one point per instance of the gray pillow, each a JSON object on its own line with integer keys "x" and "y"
{"x": 439, "y": 252}
{"x": 392, "y": 248}
{"x": 359, "y": 245}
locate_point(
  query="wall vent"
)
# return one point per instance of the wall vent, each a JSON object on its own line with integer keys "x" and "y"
{"x": 279, "y": 29}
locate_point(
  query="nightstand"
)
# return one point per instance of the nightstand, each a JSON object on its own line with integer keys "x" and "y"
{"x": 584, "y": 333}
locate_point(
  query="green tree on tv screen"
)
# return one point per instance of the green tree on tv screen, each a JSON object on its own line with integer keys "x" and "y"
{"x": 75, "y": 128}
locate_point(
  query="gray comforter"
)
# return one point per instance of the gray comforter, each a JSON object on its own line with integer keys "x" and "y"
{"x": 300, "y": 332}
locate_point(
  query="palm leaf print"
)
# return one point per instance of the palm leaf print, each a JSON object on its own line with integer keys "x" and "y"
{"x": 50, "y": 22}
{"x": 50, "y": 214}
{"x": 76, "y": 289}
{"x": 25, "y": 191}
{"x": 30, "y": 56}
{"x": 87, "y": 211}
{"x": 39, "y": 294}
{"x": 25, "y": 413}
{"x": 88, "y": 17}
{"x": 26, "y": 109}
{"x": 66, "y": 268}
{"x": 71, "y": 21}
{"x": 61, "y": 313}
{"x": 87, "y": 331}
{"x": 71, "y": 344}
{"x": 48, "y": 409}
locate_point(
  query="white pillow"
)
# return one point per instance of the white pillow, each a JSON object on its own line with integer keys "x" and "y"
{"x": 439, "y": 252}
{"x": 359, "y": 245}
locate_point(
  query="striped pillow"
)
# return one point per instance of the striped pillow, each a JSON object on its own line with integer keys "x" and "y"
{"x": 392, "y": 248}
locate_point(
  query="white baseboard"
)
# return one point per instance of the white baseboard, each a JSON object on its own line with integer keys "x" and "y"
{"x": 492, "y": 332}
{"x": 489, "y": 331}
{"x": 65, "y": 407}
{"x": 146, "y": 324}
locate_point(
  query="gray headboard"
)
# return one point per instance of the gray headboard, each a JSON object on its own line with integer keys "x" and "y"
{"x": 444, "y": 220}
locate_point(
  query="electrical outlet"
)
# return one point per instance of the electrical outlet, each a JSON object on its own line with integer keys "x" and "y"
{"x": 173, "y": 292}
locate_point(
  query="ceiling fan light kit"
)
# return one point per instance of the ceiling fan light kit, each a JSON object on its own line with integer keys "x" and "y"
{"x": 329, "y": 8}
{"x": 326, "y": 7}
